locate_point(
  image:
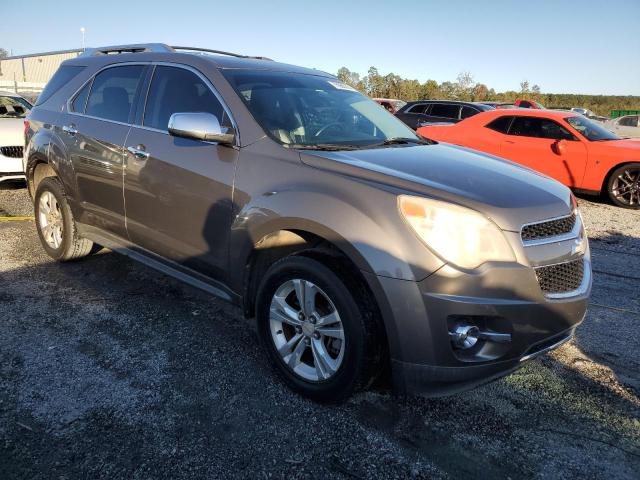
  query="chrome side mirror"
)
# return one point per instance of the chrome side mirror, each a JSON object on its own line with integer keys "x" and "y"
{"x": 199, "y": 126}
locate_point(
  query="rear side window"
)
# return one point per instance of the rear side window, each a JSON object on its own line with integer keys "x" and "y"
{"x": 62, "y": 76}
{"x": 176, "y": 90}
{"x": 113, "y": 91}
{"x": 539, "y": 128}
{"x": 446, "y": 111}
{"x": 468, "y": 112}
{"x": 629, "y": 122}
{"x": 418, "y": 108}
{"x": 500, "y": 124}
{"x": 80, "y": 100}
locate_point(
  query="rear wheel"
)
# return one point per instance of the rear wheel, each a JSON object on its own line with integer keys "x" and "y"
{"x": 315, "y": 329}
{"x": 623, "y": 186}
{"x": 55, "y": 223}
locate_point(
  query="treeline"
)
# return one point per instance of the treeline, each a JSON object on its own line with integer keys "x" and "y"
{"x": 466, "y": 88}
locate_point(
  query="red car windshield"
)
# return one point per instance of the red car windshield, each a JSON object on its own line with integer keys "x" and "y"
{"x": 590, "y": 129}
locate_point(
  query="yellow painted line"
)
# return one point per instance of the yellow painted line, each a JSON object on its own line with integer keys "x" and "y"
{"x": 2, "y": 219}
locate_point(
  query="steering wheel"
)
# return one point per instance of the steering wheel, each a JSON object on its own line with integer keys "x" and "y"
{"x": 326, "y": 127}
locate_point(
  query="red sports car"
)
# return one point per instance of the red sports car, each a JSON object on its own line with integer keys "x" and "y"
{"x": 569, "y": 147}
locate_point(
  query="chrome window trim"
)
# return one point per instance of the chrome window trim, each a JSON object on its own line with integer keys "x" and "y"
{"x": 573, "y": 234}
{"x": 206, "y": 81}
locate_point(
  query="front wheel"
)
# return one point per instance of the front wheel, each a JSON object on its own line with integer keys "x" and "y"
{"x": 316, "y": 329}
{"x": 623, "y": 186}
{"x": 55, "y": 223}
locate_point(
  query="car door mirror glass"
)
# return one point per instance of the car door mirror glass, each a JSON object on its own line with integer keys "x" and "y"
{"x": 200, "y": 126}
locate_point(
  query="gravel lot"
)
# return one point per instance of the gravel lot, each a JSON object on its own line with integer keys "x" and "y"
{"x": 111, "y": 370}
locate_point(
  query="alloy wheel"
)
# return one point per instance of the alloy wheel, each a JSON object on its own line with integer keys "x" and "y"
{"x": 50, "y": 219}
{"x": 626, "y": 187}
{"x": 307, "y": 330}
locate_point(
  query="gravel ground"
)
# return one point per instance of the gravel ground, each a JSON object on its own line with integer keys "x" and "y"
{"x": 111, "y": 370}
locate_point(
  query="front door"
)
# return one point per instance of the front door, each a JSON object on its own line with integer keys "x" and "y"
{"x": 178, "y": 193}
{"x": 544, "y": 145}
{"x": 94, "y": 132}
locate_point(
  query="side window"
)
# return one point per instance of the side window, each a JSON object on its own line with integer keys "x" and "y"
{"x": 500, "y": 124}
{"x": 539, "y": 128}
{"x": 420, "y": 108}
{"x": 553, "y": 130}
{"x": 80, "y": 100}
{"x": 176, "y": 90}
{"x": 63, "y": 75}
{"x": 445, "y": 110}
{"x": 629, "y": 121}
{"x": 468, "y": 112}
{"x": 113, "y": 91}
{"x": 526, "y": 127}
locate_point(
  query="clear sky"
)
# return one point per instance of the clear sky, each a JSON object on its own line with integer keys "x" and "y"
{"x": 565, "y": 46}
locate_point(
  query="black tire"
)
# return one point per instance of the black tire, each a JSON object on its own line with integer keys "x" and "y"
{"x": 72, "y": 245}
{"x": 614, "y": 196}
{"x": 363, "y": 351}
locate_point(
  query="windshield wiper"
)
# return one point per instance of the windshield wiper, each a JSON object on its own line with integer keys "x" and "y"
{"x": 322, "y": 146}
{"x": 402, "y": 141}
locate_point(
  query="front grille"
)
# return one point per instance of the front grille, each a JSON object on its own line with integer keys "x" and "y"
{"x": 12, "y": 152}
{"x": 561, "y": 278}
{"x": 550, "y": 228}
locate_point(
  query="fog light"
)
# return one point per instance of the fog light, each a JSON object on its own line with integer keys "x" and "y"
{"x": 464, "y": 336}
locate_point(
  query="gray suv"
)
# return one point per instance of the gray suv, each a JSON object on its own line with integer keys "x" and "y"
{"x": 359, "y": 248}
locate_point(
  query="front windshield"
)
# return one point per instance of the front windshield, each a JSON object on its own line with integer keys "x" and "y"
{"x": 309, "y": 111}
{"x": 590, "y": 129}
{"x": 14, "y": 107}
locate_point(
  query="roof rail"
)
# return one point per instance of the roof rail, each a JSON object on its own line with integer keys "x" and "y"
{"x": 158, "y": 48}
{"x": 218, "y": 52}
{"x": 132, "y": 48}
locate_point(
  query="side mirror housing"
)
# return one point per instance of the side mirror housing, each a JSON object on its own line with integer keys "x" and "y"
{"x": 558, "y": 147}
{"x": 199, "y": 126}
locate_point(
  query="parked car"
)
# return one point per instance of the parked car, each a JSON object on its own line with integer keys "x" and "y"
{"x": 583, "y": 111}
{"x": 391, "y": 104}
{"x": 626, "y": 127}
{"x": 416, "y": 114}
{"x": 566, "y": 146}
{"x": 526, "y": 103}
{"x": 499, "y": 104}
{"x": 356, "y": 245}
{"x": 13, "y": 109}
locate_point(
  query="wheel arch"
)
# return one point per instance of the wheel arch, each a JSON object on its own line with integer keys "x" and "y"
{"x": 607, "y": 177}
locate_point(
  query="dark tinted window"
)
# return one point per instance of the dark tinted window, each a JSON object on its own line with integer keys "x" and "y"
{"x": 468, "y": 112}
{"x": 112, "y": 92}
{"x": 445, "y": 110}
{"x": 80, "y": 99}
{"x": 175, "y": 90}
{"x": 60, "y": 78}
{"x": 539, "y": 128}
{"x": 629, "y": 122}
{"x": 418, "y": 108}
{"x": 500, "y": 124}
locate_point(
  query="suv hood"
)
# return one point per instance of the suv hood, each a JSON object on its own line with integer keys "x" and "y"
{"x": 509, "y": 194}
{"x": 11, "y": 132}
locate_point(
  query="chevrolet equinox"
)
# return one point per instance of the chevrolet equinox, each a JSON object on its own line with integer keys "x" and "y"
{"x": 357, "y": 246}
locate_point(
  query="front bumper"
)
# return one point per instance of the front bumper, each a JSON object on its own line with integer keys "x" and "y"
{"x": 504, "y": 298}
{"x": 11, "y": 168}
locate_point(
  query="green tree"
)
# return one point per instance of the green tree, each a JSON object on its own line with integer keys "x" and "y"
{"x": 3, "y": 53}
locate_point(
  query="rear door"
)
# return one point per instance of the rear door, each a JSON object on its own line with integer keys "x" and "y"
{"x": 534, "y": 141}
{"x": 94, "y": 132}
{"x": 178, "y": 195}
{"x": 628, "y": 127}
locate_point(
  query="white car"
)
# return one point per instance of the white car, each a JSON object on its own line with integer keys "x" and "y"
{"x": 625, "y": 127}
{"x": 13, "y": 110}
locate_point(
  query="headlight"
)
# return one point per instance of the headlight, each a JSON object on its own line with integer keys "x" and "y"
{"x": 459, "y": 235}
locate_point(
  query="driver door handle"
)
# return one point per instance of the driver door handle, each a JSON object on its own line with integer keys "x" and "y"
{"x": 138, "y": 152}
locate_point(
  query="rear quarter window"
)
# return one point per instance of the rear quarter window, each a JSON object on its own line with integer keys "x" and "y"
{"x": 63, "y": 75}
{"x": 500, "y": 124}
